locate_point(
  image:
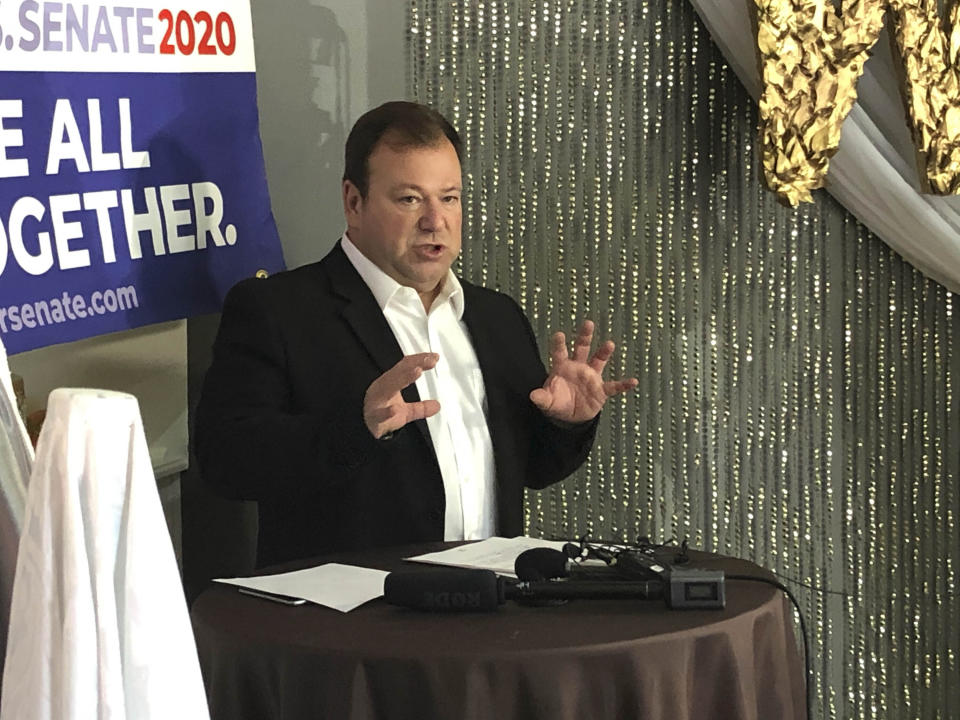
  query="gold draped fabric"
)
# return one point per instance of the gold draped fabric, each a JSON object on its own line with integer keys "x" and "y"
{"x": 812, "y": 59}
{"x": 797, "y": 402}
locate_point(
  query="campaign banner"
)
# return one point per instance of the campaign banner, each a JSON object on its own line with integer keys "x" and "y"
{"x": 132, "y": 183}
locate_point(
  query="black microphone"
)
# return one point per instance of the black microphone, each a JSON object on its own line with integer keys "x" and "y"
{"x": 584, "y": 590}
{"x": 458, "y": 590}
{"x": 446, "y": 590}
{"x": 542, "y": 563}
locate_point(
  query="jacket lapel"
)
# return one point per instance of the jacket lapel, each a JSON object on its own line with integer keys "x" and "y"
{"x": 487, "y": 346}
{"x": 365, "y": 318}
{"x": 491, "y": 355}
{"x": 361, "y": 312}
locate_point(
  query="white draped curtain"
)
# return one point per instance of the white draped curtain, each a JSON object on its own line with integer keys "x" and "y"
{"x": 874, "y": 173}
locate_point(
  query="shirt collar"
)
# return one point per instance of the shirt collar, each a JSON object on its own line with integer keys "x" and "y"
{"x": 384, "y": 287}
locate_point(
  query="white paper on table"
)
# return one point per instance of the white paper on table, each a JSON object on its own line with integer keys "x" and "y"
{"x": 497, "y": 553}
{"x": 341, "y": 587}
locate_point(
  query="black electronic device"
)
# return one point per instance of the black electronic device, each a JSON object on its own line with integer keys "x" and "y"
{"x": 694, "y": 589}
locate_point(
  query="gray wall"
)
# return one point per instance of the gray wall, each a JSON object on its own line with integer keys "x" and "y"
{"x": 320, "y": 65}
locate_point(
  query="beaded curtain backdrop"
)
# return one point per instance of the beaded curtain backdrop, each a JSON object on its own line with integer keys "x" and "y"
{"x": 798, "y": 380}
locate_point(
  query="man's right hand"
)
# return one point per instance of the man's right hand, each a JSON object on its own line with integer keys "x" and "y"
{"x": 384, "y": 409}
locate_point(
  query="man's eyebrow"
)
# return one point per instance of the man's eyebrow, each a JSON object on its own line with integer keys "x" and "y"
{"x": 417, "y": 188}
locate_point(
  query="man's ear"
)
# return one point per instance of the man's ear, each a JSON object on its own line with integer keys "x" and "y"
{"x": 352, "y": 199}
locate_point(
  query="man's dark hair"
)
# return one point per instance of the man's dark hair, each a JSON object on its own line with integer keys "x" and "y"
{"x": 399, "y": 124}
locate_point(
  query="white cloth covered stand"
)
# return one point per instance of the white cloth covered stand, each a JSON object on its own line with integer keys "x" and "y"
{"x": 16, "y": 463}
{"x": 99, "y": 626}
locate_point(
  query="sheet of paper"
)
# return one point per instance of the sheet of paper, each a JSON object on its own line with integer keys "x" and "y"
{"x": 496, "y": 553}
{"x": 341, "y": 587}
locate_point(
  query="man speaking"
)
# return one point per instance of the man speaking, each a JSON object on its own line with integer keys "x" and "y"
{"x": 373, "y": 398}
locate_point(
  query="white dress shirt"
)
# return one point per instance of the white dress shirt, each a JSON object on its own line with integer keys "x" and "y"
{"x": 459, "y": 431}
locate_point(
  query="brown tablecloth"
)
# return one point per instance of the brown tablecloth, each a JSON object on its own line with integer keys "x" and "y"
{"x": 604, "y": 659}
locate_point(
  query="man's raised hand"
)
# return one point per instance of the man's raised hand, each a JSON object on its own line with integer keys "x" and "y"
{"x": 575, "y": 391}
{"x": 384, "y": 409}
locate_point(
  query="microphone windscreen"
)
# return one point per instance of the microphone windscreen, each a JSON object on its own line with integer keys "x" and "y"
{"x": 444, "y": 590}
{"x": 540, "y": 564}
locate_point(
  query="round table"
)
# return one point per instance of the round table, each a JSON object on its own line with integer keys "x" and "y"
{"x": 604, "y": 659}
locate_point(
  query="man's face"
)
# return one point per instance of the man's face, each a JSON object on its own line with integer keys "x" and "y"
{"x": 408, "y": 225}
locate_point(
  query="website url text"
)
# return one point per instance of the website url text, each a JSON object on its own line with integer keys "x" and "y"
{"x": 67, "y": 308}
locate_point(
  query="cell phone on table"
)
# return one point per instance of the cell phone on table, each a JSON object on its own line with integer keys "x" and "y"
{"x": 275, "y": 597}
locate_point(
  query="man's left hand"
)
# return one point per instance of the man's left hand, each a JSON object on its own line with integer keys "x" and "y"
{"x": 575, "y": 390}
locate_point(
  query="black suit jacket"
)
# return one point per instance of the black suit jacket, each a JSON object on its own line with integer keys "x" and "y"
{"x": 280, "y": 419}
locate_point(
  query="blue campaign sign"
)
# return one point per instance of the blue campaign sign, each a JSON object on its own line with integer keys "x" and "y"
{"x": 132, "y": 184}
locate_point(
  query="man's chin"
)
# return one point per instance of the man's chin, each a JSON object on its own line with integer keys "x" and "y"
{"x": 428, "y": 282}
{"x": 433, "y": 271}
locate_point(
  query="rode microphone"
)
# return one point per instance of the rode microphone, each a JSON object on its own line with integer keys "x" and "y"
{"x": 458, "y": 590}
{"x": 445, "y": 590}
